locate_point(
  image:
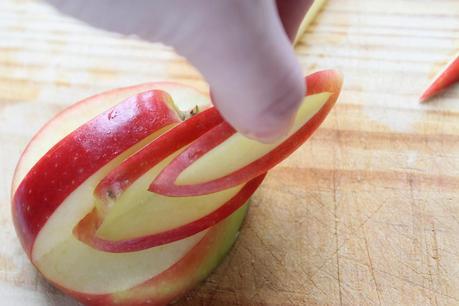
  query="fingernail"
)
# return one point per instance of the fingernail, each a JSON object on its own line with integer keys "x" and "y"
{"x": 268, "y": 136}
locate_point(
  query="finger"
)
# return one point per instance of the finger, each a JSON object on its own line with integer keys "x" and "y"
{"x": 246, "y": 57}
{"x": 239, "y": 46}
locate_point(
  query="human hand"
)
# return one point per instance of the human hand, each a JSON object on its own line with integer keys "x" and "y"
{"x": 242, "y": 48}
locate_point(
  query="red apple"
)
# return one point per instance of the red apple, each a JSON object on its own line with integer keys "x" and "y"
{"x": 82, "y": 207}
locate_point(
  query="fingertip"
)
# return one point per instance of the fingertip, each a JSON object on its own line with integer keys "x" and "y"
{"x": 255, "y": 77}
{"x": 266, "y": 116}
{"x": 275, "y": 122}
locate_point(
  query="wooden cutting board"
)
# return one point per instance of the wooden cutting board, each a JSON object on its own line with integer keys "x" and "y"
{"x": 367, "y": 212}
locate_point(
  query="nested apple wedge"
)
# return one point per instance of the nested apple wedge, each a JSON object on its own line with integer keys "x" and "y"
{"x": 223, "y": 158}
{"x": 122, "y": 199}
{"x": 125, "y": 191}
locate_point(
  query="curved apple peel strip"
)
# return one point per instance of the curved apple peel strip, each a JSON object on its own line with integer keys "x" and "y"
{"x": 142, "y": 161}
{"x": 83, "y": 152}
{"x": 208, "y": 164}
{"x": 86, "y": 229}
{"x": 447, "y": 77}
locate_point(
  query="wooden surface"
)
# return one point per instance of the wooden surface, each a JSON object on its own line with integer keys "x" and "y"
{"x": 367, "y": 212}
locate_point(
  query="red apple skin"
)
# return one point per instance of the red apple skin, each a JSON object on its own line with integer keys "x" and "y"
{"x": 79, "y": 155}
{"x": 139, "y": 163}
{"x": 324, "y": 81}
{"x": 185, "y": 274}
{"x": 86, "y": 230}
{"x": 448, "y": 77}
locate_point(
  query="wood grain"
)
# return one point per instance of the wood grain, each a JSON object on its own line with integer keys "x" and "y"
{"x": 366, "y": 213}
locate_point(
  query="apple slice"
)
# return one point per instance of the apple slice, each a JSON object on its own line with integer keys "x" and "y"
{"x": 83, "y": 152}
{"x": 222, "y": 158}
{"x": 444, "y": 79}
{"x": 140, "y": 238}
{"x": 178, "y": 278}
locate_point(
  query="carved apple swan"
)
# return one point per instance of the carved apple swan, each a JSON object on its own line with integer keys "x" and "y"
{"x": 126, "y": 199}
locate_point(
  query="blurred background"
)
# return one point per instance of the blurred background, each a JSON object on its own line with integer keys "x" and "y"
{"x": 366, "y": 212}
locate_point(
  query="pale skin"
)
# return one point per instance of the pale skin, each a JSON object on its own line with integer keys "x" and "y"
{"x": 242, "y": 48}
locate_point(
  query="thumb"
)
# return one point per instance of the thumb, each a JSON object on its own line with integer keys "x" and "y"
{"x": 239, "y": 46}
{"x": 244, "y": 54}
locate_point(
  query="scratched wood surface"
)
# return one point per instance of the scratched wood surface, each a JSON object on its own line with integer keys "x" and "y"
{"x": 367, "y": 212}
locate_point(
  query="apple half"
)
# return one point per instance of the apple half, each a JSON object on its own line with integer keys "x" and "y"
{"x": 133, "y": 196}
